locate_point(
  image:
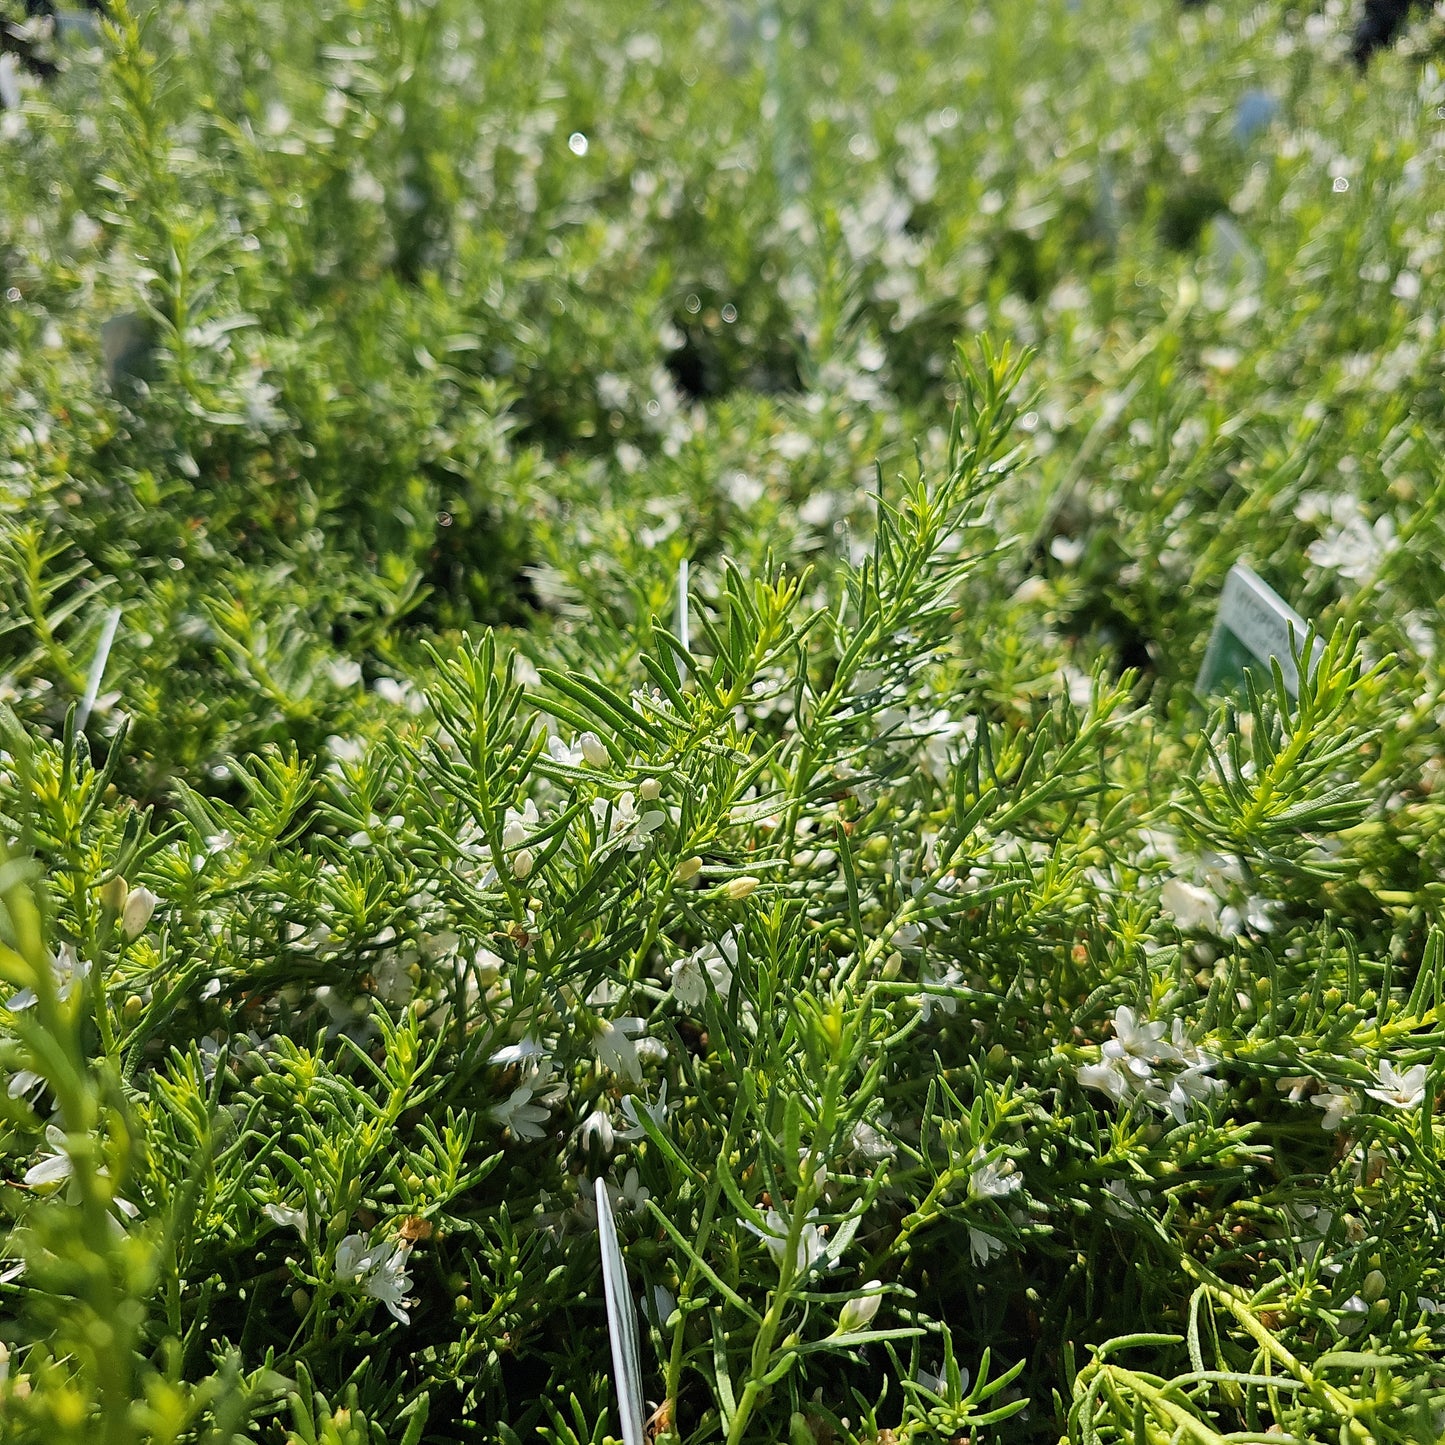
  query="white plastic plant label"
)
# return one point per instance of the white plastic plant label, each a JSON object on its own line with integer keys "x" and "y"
{"x": 621, "y": 1324}
{"x": 1252, "y": 627}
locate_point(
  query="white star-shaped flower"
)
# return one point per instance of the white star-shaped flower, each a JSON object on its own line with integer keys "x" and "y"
{"x": 1401, "y": 1091}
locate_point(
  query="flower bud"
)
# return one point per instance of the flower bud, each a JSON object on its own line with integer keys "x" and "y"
{"x": 1373, "y": 1286}
{"x": 649, "y": 789}
{"x": 594, "y": 750}
{"x": 688, "y": 869}
{"x": 739, "y": 888}
{"x": 858, "y": 1313}
{"x": 522, "y": 862}
{"x": 140, "y": 903}
{"x": 113, "y": 895}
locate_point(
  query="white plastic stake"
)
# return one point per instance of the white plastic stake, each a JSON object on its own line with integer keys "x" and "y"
{"x": 682, "y": 628}
{"x": 97, "y": 669}
{"x": 621, "y": 1322}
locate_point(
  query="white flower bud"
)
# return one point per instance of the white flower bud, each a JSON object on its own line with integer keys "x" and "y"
{"x": 649, "y": 789}
{"x": 522, "y": 861}
{"x": 594, "y": 750}
{"x": 140, "y": 903}
{"x": 858, "y": 1313}
{"x": 688, "y": 869}
{"x": 739, "y": 888}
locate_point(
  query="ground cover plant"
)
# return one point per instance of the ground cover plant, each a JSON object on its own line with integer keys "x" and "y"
{"x": 615, "y": 592}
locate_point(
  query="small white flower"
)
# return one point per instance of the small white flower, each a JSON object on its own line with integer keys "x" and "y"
{"x": 651, "y": 1050}
{"x": 593, "y": 750}
{"x": 50, "y": 1169}
{"x": 635, "y": 1193}
{"x": 377, "y": 1270}
{"x": 1138, "y": 1043}
{"x": 569, "y": 756}
{"x": 990, "y": 1179}
{"x": 65, "y": 968}
{"x": 713, "y": 964}
{"x": 908, "y": 939}
{"x": 869, "y": 1142}
{"x": 1105, "y": 1077}
{"x": 614, "y": 1047}
{"x": 1189, "y": 1086}
{"x": 1352, "y": 1321}
{"x": 519, "y": 826}
{"x": 1401, "y": 1091}
{"x": 1339, "y": 1104}
{"x": 774, "y": 1234}
{"x": 658, "y": 1304}
{"x": 635, "y": 1104}
{"x": 1353, "y": 546}
{"x": 288, "y": 1218}
{"x": 344, "y": 672}
{"x": 597, "y": 1128}
{"x": 1194, "y": 908}
{"x": 983, "y": 1246}
{"x": 484, "y": 971}
{"x": 936, "y": 1381}
{"x": 526, "y": 1110}
{"x": 1124, "y": 1199}
{"x": 520, "y": 1115}
{"x": 858, "y": 1312}
{"x": 524, "y": 1049}
{"x": 626, "y": 827}
{"x": 1312, "y": 1227}
{"x": 394, "y": 980}
{"x": 938, "y": 991}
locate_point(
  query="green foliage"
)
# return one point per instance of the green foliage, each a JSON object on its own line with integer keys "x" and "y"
{"x": 949, "y": 997}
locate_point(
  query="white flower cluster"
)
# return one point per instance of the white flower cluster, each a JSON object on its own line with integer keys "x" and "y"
{"x": 1133, "y": 1063}
{"x": 1220, "y": 906}
{"x": 525, "y": 1111}
{"x": 1349, "y": 543}
{"x": 376, "y": 1270}
{"x": 1400, "y": 1089}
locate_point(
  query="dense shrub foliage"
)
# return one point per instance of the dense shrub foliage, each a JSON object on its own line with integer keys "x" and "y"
{"x": 614, "y": 591}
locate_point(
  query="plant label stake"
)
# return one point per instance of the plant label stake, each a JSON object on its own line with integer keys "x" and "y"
{"x": 97, "y": 669}
{"x": 621, "y": 1324}
{"x": 682, "y": 620}
{"x": 1253, "y": 626}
